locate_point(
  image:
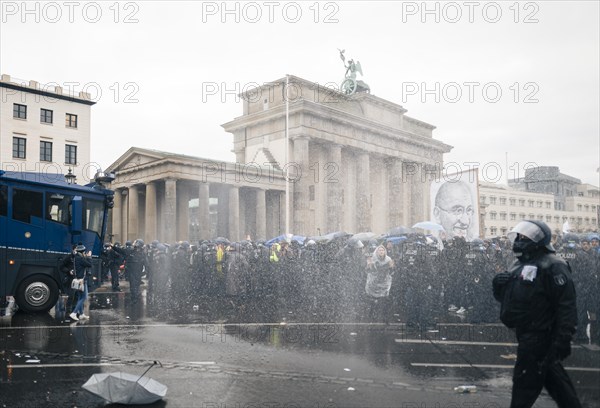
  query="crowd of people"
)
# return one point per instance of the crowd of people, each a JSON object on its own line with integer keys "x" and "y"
{"x": 407, "y": 278}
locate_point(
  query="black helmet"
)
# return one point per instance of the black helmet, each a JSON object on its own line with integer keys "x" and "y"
{"x": 128, "y": 243}
{"x": 535, "y": 230}
{"x": 138, "y": 243}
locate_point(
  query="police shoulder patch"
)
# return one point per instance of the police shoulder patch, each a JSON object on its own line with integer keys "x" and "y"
{"x": 560, "y": 279}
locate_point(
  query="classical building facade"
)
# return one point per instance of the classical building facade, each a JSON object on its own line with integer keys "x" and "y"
{"x": 44, "y": 129}
{"x": 350, "y": 162}
{"x": 173, "y": 197}
{"x": 503, "y": 207}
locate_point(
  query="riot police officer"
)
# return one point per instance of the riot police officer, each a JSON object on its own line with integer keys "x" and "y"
{"x": 538, "y": 300}
{"x": 135, "y": 262}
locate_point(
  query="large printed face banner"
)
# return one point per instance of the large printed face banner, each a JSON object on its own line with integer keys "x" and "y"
{"x": 455, "y": 205}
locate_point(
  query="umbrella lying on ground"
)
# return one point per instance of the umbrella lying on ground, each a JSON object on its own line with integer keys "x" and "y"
{"x": 428, "y": 225}
{"x": 124, "y": 388}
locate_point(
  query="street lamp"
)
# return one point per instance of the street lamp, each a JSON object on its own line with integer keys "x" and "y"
{"x": 70, "y": 177}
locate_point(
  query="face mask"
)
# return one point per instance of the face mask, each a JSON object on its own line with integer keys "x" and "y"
{"x": 523, "y": 248}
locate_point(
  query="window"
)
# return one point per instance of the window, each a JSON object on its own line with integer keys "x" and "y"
{"x": 311, "y": 193}
{"x": 71, "y": 120}
{"x": 492, "y": 200}
{"x": 593, "y": 208}
{"x": 539, "y": 204}
{"x": 540, "y": 217}
{"x": 503, "y": 230}
{"x": 531, "y": 216}
{"x": 513, "y": 201}
{"x": 530, "y": 202}
{"x": 493, "y": 230}
{"x": 19, "y": 111}
{"x": 513, "y": 216}
{"x": 548, "y": 218}
{"x": 26, "y": 205}
{"x": 46, "y": 116}
{"x": 70, "y": 154}
{"x": 46, "y": 151}
{"x": 3, "y": 200}
{"x": 522, "y": 202}
{"x": 548, "y": 204}
{"x": 58, "y": 208}
{"x": 521, "y": 216}
{"x": 93, "y": 213}
{"x": 493, "y": 216}
{"x": 556, "y": 218}
{"x": 482, "y": 199}
{"x": 586, "y": 207}
{"x": 503, "y": 216}
{"x": 19, "y": 145}
{"x": 594, "y": 221}
{"x": 578, "y": 207}
{"x": 502, "y": 200}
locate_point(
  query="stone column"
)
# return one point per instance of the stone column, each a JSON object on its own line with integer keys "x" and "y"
{"x": 396, "y": 188}
{"x": 417, "y": 193}
{"x": 124, "y": 214}
{"x": 116, "y": 216}
{"x": 334, "y": 189}
{"x": 169, "y": 213}
{"x": 261, "y": 214}
{"x": 363, "y": 193}
{"x": 234, "y": 213}
{"x": 204, "y": 210}
{"x": 349, "y": 195}
{"x": 407, "y": 193}
{"x": 183, "y": 217}
{"x": 133, "y": 221}
{"x": 300, "y": 187}
{"x": 151, "y": 215}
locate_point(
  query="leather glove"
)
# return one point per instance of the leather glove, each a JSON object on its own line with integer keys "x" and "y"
{"x": 562, "y": 345}
{"x": 502, "y": 279}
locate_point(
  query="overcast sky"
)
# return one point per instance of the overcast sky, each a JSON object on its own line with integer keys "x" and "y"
{"x": 152, "y": 60}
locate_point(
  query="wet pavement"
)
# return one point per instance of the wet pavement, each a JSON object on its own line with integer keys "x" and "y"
{"x": 286, "y": 360}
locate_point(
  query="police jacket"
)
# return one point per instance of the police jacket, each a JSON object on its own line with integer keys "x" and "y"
{"x": 539, "y": 297}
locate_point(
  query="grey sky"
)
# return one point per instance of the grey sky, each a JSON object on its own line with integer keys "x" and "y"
{"x": 164, "y": 58}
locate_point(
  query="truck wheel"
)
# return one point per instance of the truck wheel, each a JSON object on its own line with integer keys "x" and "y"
{"x": 37, "y": 293}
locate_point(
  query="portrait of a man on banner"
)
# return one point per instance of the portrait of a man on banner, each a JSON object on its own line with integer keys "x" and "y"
{"x": 455, "y": 205}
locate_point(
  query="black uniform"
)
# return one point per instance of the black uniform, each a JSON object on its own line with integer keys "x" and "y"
{"x": 544, "y": 313}
{"x": 136, "y": 262}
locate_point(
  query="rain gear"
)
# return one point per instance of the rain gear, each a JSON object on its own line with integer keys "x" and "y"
{"x": 379, "y": 274}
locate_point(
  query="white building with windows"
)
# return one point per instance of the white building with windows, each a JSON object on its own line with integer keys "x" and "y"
{"x": 502, "y": 207}
{"x": 44, "y": 129}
